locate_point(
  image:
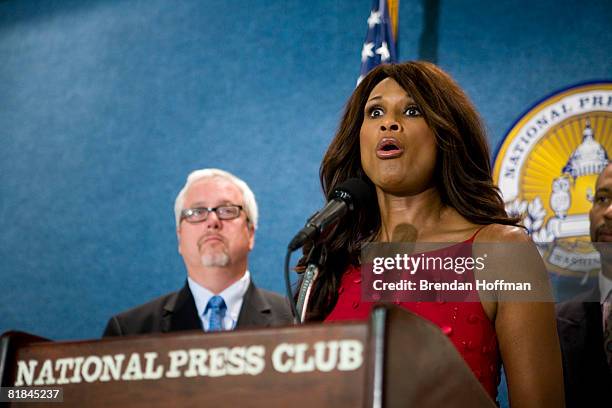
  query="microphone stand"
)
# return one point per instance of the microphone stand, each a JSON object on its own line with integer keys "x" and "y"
{"x": 316, "y": 257}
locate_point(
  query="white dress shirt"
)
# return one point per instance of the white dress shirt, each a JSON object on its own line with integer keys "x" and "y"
{"x": 233, "y": 296}
{"x": 605, "y": 293}
{"x": 605, "y": 287}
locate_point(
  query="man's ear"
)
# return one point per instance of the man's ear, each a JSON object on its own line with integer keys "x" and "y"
{"x": 178, "y": 239}
{"x": 251, "y": 237}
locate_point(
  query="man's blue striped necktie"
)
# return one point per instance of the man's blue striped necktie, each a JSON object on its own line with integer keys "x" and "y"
{"x": 217, "y": 308}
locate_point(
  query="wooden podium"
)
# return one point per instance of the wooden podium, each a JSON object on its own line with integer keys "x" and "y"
{"x": 397, "y": 359}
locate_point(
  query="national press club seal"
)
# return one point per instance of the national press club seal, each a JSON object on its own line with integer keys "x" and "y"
{"x": 546, "y": 168}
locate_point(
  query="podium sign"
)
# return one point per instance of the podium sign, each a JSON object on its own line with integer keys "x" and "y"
{"x": 397, "y": 359}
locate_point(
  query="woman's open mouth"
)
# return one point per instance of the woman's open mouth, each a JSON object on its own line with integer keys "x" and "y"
{"x": 389, "y": 148}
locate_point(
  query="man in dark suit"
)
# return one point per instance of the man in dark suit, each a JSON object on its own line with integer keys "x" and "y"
{"x": 584, "y": 322}
{"x": 216, "y": 217}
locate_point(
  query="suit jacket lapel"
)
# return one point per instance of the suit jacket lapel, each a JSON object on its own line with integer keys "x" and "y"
{"x": 577, "y": 326}
{"x": 591, "y": 335}
{"x": 255, "y": 310}
{"x": 593, "y": 319}
{"x": 594, "y": 327}
{"x": 180, "y": 312}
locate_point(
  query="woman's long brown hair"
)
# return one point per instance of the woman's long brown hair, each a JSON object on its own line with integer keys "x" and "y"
{"x": 462, "y": 174}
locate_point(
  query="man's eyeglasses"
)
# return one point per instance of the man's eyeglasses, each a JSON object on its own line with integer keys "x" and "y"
{"x": 200, "y": 214}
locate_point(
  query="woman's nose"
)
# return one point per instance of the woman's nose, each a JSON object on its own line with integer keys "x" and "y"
{"x": 390, "y": 125}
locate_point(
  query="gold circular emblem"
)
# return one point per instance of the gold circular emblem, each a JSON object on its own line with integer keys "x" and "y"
{"x": 546, "y": 169}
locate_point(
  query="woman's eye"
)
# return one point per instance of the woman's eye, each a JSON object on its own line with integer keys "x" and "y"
{"x": 413, "y": 111}
{"x": 375, "y": 112}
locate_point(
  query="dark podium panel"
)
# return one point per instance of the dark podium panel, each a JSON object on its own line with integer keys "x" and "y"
{"x": 397, "y": 359}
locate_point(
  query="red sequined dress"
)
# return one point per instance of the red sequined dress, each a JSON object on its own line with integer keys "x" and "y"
{"x": 465, "y": 323}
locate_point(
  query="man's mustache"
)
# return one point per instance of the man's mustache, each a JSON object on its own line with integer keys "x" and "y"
{"x": 209, "y": 235}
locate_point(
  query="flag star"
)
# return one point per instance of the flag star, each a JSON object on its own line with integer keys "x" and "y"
{"x": 366, "y": 51}
{"x": 374, "y": 18}
{"x": 383, "y": 51}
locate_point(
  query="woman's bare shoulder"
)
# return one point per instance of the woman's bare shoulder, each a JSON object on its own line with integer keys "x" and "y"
{"x": 502, "y": 233}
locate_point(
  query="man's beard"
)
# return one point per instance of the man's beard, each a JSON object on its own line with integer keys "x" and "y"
{"x": 215, "y": 259}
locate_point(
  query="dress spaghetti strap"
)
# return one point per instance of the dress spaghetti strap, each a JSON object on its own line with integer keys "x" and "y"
{"x": 473, "y": 237}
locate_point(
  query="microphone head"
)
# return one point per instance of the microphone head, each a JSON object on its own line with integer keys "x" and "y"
{"x": 404, "y": 233}
{"x": 355, "y": 192}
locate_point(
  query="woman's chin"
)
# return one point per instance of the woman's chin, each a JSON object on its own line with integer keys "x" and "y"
{"x": 401, "y": 186}
{"x": 395, "y": 187}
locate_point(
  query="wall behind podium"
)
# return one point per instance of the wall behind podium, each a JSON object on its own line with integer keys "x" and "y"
{"x": 106, "y": 105}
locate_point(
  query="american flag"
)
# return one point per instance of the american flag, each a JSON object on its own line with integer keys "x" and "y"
{"x": 380, "y": 45}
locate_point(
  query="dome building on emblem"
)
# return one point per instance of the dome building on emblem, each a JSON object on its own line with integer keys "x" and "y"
{"x": 589, "y": 158}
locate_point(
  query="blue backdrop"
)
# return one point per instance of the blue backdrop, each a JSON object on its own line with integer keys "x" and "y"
{"x": 106, "y": 105}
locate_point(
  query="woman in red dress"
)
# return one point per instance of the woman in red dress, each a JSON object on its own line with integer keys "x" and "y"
{"x": 411, "y": 133}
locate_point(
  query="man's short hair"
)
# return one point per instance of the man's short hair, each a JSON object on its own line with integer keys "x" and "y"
{"x": 250, "y": 205}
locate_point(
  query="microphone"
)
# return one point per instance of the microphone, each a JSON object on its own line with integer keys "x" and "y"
{"x": 349, "y": 195}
